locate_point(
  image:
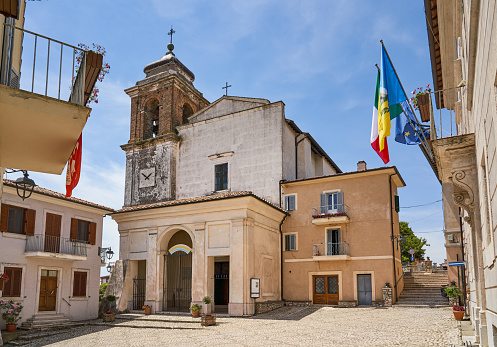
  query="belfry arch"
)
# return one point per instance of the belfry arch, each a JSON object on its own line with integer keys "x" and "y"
{"x": 151, "y": 119}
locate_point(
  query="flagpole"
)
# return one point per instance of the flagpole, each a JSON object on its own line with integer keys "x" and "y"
{"x": 407, "y": 99}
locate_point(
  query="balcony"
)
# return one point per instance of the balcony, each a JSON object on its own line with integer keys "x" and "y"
{"x": 329, "y": 215}
{"x": 38, "y": 128}
{"x": 330, "y": 251}
{"x": 47, "y": 246}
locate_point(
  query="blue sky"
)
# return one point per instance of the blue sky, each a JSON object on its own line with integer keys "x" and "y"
{"x": 316, "y": 56}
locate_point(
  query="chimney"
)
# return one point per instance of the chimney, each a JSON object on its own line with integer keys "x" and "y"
{"x": 361, "y": 165}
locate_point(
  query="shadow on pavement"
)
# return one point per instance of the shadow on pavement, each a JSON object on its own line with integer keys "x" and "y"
{"x": 287, "y": 313}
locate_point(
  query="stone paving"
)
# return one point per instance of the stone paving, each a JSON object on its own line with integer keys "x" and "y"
{"x": 323, "y": 326}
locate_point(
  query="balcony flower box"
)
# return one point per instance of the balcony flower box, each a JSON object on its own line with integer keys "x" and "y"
{"x": 329, "y": 215}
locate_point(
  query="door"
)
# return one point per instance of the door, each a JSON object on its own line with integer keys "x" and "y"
{"x": 326, "y": 290}
{"x": 221, "y": 283}
{"x": 364, "y": 290}
{"x": 48, "y": 290}
{"x": 333, "y": 242}
{"x": 177, "y": 285}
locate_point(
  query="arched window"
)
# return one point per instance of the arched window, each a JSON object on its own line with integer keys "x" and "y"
{"x": 187, "y": 112}
{"x": 151, "y": 119}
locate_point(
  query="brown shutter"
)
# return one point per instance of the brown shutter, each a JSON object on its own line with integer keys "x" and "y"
{"x": 12, "y": 288}
{"x": 79, "y": 287}
{"x": 74, "y": 229}
{"x": 83, "y": 284}
{"x": 57, "y": 224}
{"x": 30, "y": 222}
{"x": 92, "y": 233}
{"x": 49, "y": 224}
{"x": 75, "y": 291}
{"x": 4, "y": 218}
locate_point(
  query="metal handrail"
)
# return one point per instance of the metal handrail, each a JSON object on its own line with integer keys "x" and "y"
{"x": 332, "y": 211}
{"x": 55, "y": 244}
{"x": 330, "y": 249}
{"x": 76, "y": 51}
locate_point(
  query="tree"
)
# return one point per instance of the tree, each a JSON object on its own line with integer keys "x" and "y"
{"x": 411, "y": 242}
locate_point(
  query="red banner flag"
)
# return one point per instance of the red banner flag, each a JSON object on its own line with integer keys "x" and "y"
{"x": 73, "y": 168}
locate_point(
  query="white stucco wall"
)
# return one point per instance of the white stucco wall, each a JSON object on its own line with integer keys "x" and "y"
{"x": 12, "y": 247}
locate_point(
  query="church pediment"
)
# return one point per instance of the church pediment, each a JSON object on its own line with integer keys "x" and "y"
{"x": 226, "y": 105}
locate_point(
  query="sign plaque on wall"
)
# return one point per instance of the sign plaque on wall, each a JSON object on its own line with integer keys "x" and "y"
{"x": 255, "y": 288}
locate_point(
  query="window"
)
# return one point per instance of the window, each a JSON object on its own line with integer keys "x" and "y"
{"x": 83, "y": 231}
{"x": 17, "y": 220}
{"x": 290, "y": 203}
{"x": 334, "y": 246}
{"x": 221, "y": 177}
{"x": 291, "y": 242}
{"x": 12, "y": 288}
{"x": 79, "y": 285}
{"x": 332, "y": 202}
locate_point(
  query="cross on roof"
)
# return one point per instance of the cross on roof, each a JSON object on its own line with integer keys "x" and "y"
{"x": 227, "y": 86}
{"x": 170, "y": 33}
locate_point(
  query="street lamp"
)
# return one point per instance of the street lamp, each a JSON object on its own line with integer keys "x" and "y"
{"x": 105, "y": 252}
{"x": 110, "y": 267}
{"x": 24, "y": 185}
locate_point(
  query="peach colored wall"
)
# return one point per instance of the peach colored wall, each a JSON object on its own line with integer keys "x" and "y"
{"x": 368, "y": 233}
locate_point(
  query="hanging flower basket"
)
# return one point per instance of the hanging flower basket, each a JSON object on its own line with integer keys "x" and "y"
{"x": 424, "y": 107}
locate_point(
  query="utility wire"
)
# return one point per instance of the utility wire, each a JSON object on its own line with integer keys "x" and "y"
{"x": 429, "y": 203}
{"x": 425, "y": 217}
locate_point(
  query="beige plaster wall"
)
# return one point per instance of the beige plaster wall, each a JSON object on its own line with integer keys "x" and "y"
{"x": 367, "y": 232}
{"x": 12, "y": 254}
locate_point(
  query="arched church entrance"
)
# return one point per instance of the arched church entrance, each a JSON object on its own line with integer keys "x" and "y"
{"x": 177, "y": 277}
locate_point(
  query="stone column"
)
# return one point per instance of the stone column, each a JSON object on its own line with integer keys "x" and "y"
{"x": 151, "y": 297}
{"x": 387, "y": 296}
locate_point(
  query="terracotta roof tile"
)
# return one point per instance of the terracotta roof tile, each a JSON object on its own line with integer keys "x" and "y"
{"x": 48, "y": 192}
{"x": 196, "y": 199}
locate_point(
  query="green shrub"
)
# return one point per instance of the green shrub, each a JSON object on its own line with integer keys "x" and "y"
{"x": 453, "y": 292}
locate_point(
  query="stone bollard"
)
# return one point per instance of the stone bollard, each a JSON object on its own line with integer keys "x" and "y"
{"x": 387, "y": 295}
{"x": 428, "y": 266}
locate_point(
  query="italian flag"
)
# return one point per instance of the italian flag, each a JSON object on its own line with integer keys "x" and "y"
{"x": 375, "y": 141}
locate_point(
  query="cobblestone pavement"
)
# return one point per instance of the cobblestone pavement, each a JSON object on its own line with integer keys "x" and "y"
{"x": 325, "y": 326}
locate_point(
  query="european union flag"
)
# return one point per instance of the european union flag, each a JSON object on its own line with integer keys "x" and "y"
{"x": 404, "y": 131}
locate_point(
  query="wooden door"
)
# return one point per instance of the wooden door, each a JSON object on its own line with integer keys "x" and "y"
{"x": 326, "y": 290}
{"x": 48, "y": 290}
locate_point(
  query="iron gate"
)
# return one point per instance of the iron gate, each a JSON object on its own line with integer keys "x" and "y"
{"x": 138, "y": 293}
{"x": 177, "y": 282}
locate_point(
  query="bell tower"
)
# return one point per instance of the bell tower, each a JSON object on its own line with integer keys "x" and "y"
{"x": 164, "y": 99}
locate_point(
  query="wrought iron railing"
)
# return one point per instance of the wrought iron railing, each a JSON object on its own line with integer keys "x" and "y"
{"x": 327, "y": 211}
{"x": 55, "y": 244}
{"x": 49, "y": 76}
{"x": 322, "y": 249}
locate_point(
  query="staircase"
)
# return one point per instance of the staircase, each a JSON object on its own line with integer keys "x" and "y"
{"x": 423, "y": 289}
{"x": 48, "y": 321}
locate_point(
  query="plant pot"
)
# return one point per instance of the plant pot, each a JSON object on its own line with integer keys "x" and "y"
{"x": 148, "y": 311}
{"x": 196, "y": 313}
{"x": 10, "y": 327}
{"x": 424, "y": 107}
{"x": 458, "y": 315}
{"x": 109, "y": 317}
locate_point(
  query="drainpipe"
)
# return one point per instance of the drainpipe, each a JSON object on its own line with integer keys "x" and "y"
{"x": 393, "y": 238}
{"x": 296, "y": 150}
{"x": 463, "y": 272}
{"x": 281, "y": 250}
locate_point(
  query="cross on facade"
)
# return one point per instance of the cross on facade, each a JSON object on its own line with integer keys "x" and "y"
{"x": 227, "y": 86}
{"x": 170, "y": 33}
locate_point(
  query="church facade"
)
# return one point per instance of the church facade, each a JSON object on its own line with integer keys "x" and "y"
{"x": 202, "y": 213}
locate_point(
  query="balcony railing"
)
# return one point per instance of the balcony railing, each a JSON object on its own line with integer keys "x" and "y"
{"x": 49, "y": 66}
{"x": 329, "y": 249}
{"x": 55, "y": 244}
{"x": 338, "y": 210}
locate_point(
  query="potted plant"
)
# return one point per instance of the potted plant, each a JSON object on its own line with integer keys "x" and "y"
{"x": 109, "y": 316}
{"x": 207, "y": 308}
{"x": 11, "y": 313}
{"x": 421, "y": 102}
{"x": 3, "y": 278}
{"x": 459, "y": 312}
{"x": 147, "y": 309}
{"x": 453, "y": 293}
{"x": 195, "y": 310}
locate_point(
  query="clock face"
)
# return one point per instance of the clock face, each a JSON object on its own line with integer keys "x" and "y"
{"x": 147, "y": 177}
